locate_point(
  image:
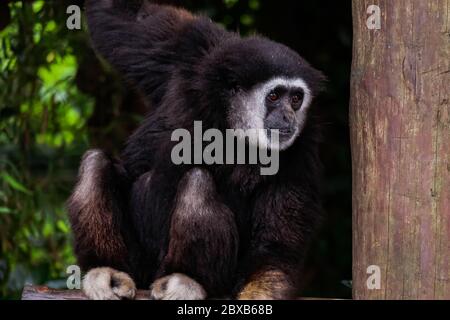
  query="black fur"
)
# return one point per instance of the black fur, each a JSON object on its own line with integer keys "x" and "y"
{"x": 188, "y": 68}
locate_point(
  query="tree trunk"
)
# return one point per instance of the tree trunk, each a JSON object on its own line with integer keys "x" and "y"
{"x": 400, "y": 132}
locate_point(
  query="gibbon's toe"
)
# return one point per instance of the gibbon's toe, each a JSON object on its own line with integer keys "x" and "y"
{"x": 177, "y": 286}
{"x": 108, "y": 284}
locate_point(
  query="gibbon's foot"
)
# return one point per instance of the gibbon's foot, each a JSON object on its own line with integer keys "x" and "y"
{"x": 268, "y": 285}
{"x": 177, "y": 286}
{"x": 108, "y": 284}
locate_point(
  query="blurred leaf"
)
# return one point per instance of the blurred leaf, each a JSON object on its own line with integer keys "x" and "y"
{"x": 15, "y": 184}
{"x": 254, "y": 4}
{"x": 347, "y": 283}
{"x": 247, "y": 20}
{"x": 230, "y": 3}
{"x": 63, "y": 226}
{"x": 5, "y": 210}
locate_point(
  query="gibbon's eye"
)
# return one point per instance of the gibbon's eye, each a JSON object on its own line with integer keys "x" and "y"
{"x": 273, "y": 96}
{"x": 296, "y": 99}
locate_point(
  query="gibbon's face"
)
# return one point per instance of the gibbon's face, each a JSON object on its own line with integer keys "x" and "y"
{"x": 278, "y": 104}
{"x": 272, "y": 88}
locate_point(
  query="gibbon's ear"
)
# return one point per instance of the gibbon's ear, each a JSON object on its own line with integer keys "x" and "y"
{"x": 130, "y": 36}
{"x": 319, "y": 82}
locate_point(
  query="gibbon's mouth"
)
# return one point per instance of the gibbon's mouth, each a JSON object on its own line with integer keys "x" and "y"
{"x": 285, "y": 132}
{"x": 285, "y": 136}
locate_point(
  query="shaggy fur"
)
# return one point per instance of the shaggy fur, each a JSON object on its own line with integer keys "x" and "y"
{"x": 225, "y": 227}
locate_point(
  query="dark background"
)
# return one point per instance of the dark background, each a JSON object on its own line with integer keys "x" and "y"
{"x": 57, "y": 100}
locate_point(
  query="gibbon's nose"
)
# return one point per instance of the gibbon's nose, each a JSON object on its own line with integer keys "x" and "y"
{"x": 288, "y": 118}
{"x": 283, "y": 120}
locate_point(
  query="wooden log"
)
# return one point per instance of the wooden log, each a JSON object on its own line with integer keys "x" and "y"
{"x": 400, "y": 135}
{"x": 44, "y": 293}
{"x": 31, "y": 292}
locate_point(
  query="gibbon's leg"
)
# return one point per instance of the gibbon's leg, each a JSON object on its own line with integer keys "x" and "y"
{"x": 283, "y": 219}
{"x": 95, "y": 210}
{"x": 203, "y": 244}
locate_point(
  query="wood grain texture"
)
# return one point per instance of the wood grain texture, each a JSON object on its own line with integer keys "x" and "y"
{"x": 44, "y": 293}
{"x": 400, "y": 135}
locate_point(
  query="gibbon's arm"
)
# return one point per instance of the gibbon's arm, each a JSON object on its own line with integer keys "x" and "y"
{"x": 147, "y": 43}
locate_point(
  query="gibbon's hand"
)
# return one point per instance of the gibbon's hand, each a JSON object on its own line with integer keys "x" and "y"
{"x": 108, "y": 284}
{"x": 177, "y": 286}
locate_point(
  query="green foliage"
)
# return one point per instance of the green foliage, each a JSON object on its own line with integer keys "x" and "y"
{"x": 43, "y": 124}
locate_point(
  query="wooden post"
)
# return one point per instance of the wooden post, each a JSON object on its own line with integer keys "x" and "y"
{"x": 400, "y": 134}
